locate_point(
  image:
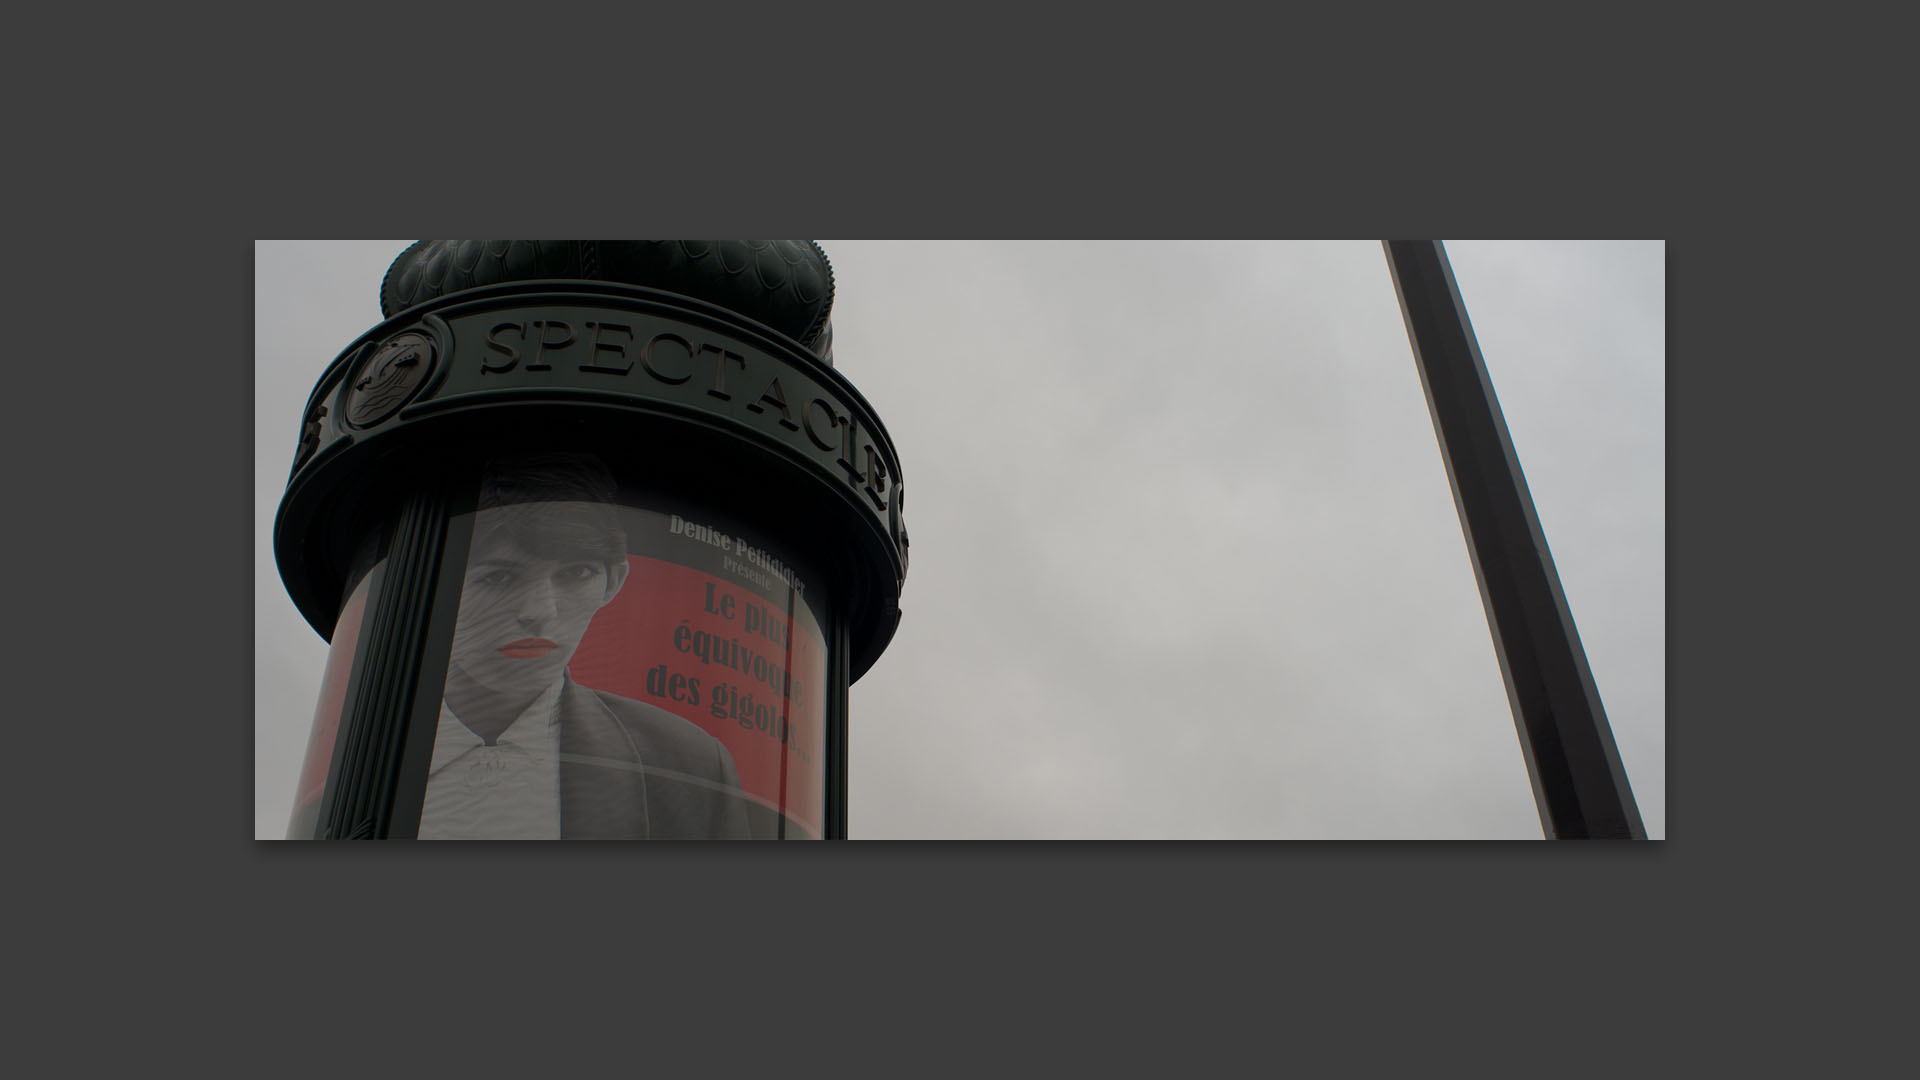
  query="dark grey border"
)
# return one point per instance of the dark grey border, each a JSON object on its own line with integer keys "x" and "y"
{"x": 1518, "y": 945}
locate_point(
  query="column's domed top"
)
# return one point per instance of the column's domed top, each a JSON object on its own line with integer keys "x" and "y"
{"x": 784, "y": 284}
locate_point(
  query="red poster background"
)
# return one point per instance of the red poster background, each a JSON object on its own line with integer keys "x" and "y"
{"x": 333, "y": 699}
{"x": 635, "y": 634}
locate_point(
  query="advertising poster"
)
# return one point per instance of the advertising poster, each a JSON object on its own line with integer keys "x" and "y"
{"x": 327, "y": 714}
{"x": 625, "y": 671}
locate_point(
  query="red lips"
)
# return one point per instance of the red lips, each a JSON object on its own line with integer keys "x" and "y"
{"x": 528, "y": 648}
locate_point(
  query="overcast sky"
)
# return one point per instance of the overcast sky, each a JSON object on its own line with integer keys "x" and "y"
{"x": 1185, "y": 562}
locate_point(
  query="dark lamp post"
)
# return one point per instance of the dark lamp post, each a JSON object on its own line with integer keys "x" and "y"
{"x": 599, "y": 538}
{"x": 1578, "y": 781}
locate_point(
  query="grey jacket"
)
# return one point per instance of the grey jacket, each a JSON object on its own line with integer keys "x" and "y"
{"x": 630, "y": 771}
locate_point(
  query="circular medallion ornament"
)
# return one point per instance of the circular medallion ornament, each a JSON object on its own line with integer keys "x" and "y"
{"x": 389, "y": 378}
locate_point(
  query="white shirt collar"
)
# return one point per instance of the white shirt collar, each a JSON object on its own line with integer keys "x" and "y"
{"x": 508, "y": 791}
{"x": 534, "y": 730}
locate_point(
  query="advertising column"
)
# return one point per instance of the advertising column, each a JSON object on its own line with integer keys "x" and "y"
{"x": 600, "y": 538}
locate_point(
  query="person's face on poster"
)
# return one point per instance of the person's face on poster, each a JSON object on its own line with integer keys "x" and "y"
{"x": 537, "y": 575}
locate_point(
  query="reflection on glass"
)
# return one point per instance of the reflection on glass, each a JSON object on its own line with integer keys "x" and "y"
{"x": 522, "y": 751}
{"x": 305, "y": 822}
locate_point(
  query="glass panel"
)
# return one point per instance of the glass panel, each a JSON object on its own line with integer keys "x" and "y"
{"x": 622, "y": 668}
{"x": 327, "y": 714}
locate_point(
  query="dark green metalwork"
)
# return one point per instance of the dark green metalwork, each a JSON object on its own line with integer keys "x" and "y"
{"x": 600, "y": 362}
{"x": 376, "y": 724}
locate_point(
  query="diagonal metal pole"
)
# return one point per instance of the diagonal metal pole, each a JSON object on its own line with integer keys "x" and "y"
{"x": 1578, "y": 782}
